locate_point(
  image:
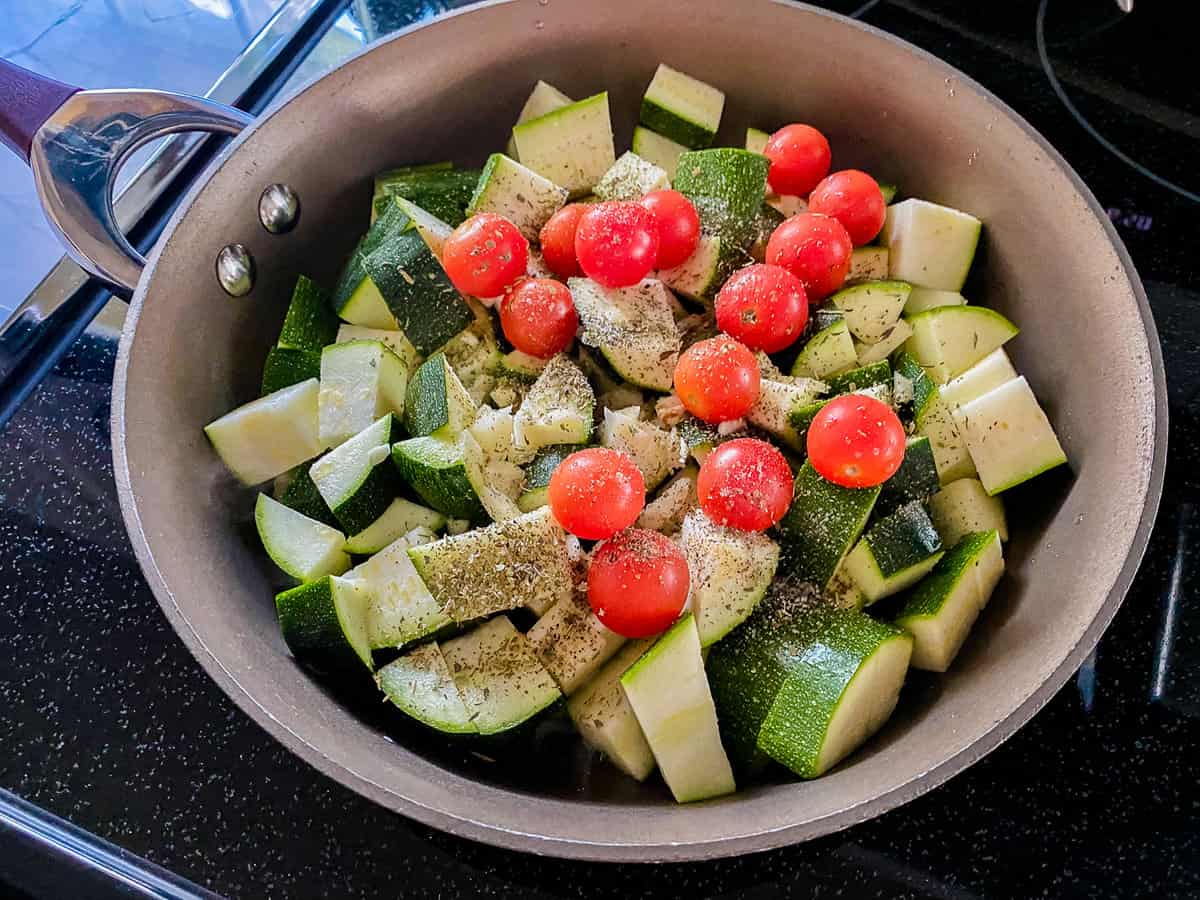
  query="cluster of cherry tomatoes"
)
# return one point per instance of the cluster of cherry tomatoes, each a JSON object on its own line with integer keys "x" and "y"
{"x": 638, "y": 579}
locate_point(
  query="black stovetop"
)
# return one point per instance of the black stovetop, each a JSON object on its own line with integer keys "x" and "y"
{"x": 106, "y": 720}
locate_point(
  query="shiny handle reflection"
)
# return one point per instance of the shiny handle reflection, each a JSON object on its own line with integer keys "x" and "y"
{"x": 78, "y": 150}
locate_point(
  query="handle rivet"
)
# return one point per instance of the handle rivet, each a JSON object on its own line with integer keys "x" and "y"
{"x": 279, "y": 208}
{"x": 235, "y": 270}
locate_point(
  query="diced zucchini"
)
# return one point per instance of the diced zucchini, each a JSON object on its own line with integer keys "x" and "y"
{"x": 730, "y": 571}
{"x": 360, "y": 381}
{"x": 266, "y": 437}
{"x": 544, "y": 98}
{"x": 437, "y": 403}
{"x": 572, "y": 643}
{"x": 668, "y": 691}
{"x": 325, "y": 621}
{"x": 419, "y": 683}
{"x": 286, "y": 366}
{"x": 572, "y": 145}
{"x": 889, "y": 191}
{"x": 990, "y": 372}
{"x": 538, "y": 472}
{"x": 940, "y": 611}
{"x": 606, "y": 721}
{"x": 474, "y": 354}
{"x": 558, "y": 408}
{"x": 357, "y": 298}
{"x": 868, "y": 264}
{"x": 395, "y": 340}
{"x": 828, "y": 352}
{"x": 929, "y": 245}
{"x": 654, "y": 148}
{"x": 400, "y": 608}
{"x": 889, "y": 343}
{"x": 302, "y": 495}
{"x": 499, "y": 678}
{"x": 489, "y": 453}
{"x": 727, "y": 187}
{"x": 822, "y": 524}
{"x": 756, "y": 140}
{"x": 772, "y": 411}
{"x": 443, "y": 192}
{"x": 871, "y": 308}
{"x": 860, "y": 378}
{"x": 633, "y": 327}
{"x": 934, "y": 418}
{"x": 436, "y": 470}
{"x": 895, "y": 553}
{"x": 654, "y": 450}
{"x": 356, "y": 479}
{"x": 432, "y": 230}
{"x": 517, "y": 193}
{"x": 401, "y": 517}
{"x": 921, "y": 299}
{"x": 520, "y": 562}
{"x": 310, "y": 322}
{"x": 1008, "y": 435}
{"x": 420, "y": 296}
{"x": 302, "y": 547}
{"x": 804, "y": 682}
{"x": 948, "y": 340}
{"x": 843, "y": 689}
{"x": 963, "y": 507}
{"x": 631, "y": 178}
{"x": 520, "y": 366}
{"x": 682, "y": 108}
{"x": 916, "y": 479}
{"x": 701, "y": 275}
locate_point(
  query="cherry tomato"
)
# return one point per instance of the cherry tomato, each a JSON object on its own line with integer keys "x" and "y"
{"x": 484, "y": 255}
{"x": 558, "y": 240}
{"x": 856, "y": 441}
{"x": 799, "y": 156}
{"x": 814, "y": 248}
{"x": 764, "y": 307}
{"x": 745, "y": 483}
{"x": 638, "y": 582}
{"x": 678, "y": 227}
{"x": 854, "y": 199}
{"x": 538, "y": 316}
{"x": 717, "y": 380}
{"x": 594, "y": 493}
{"x": 616, "y": 243}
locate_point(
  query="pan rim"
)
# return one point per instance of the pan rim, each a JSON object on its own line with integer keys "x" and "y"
{"x": 460, "y": 822}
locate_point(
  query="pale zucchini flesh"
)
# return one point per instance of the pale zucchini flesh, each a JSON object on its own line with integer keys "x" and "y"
{"x": 1008, "y": 436}
{"x": 668, "y": 691}
{"x": 400, "y": 608}
{"x": 963, "y": 507}
{"x": 302, "y": 547}
{"x": 606, "y": 721}
{"x": 499, "y": 678}
{"x": 572, "y": 643}
{"x": 940, "y": 611}
{"x": 266, "y": 437}
{"x": 419, "y": 684}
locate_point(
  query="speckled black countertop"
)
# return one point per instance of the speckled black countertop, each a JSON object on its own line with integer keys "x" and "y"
{"x": 106, "y": 720}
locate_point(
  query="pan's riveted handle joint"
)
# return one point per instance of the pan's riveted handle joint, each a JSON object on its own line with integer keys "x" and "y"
{"x": 77, "y": 152}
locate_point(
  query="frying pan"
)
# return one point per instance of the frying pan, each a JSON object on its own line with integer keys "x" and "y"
{"x": 450, "y": 89}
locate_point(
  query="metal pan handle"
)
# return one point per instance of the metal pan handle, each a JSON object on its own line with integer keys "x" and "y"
{"x": 76, "y": 146}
